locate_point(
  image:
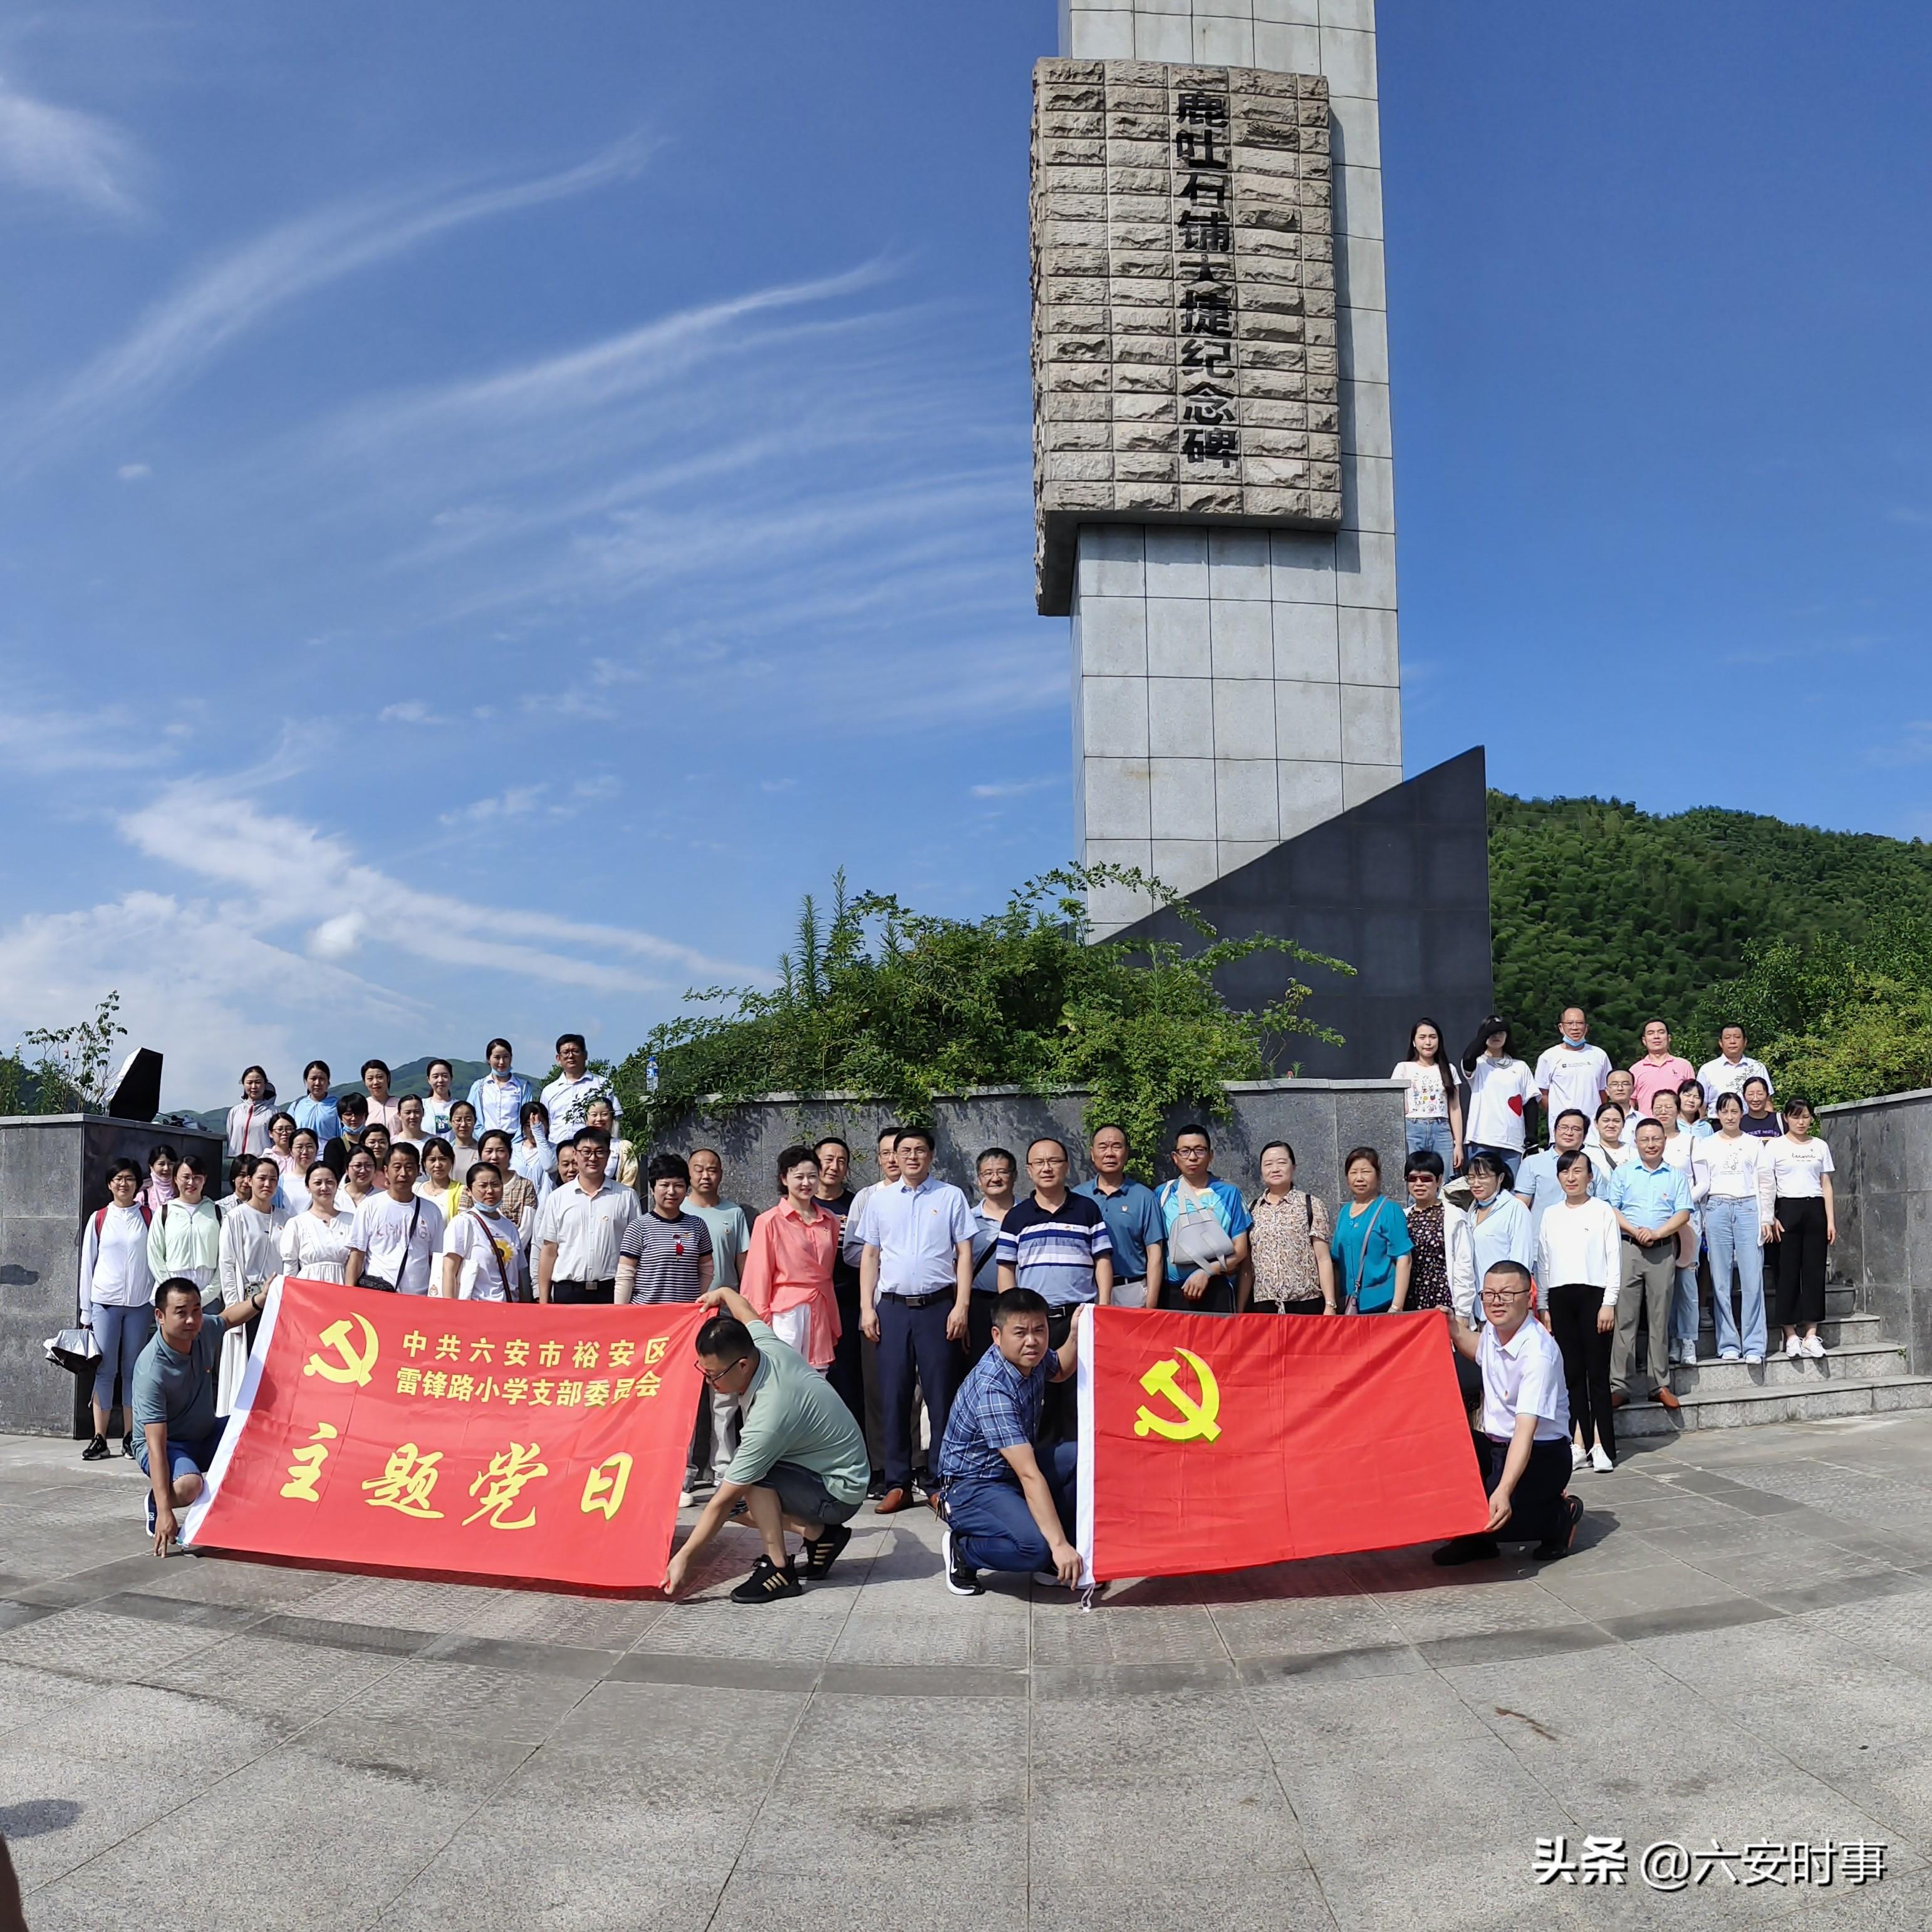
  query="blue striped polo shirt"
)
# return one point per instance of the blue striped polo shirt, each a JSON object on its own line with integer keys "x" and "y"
{"x": 1053, "y": 1253}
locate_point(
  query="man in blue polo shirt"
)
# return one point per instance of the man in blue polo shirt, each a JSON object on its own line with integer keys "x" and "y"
{"x": 915, "y": 1283}
{"x": 1057, "y": 1244}
{"x": 1134, "y": 1223}
{"x": 1652, "y": 1201}
{"x": 1208, "y": 1225}
{"x": 1008, "y": 1506}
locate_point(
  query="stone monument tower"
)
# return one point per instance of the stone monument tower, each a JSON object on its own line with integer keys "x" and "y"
{"x": 1213, "y": 471}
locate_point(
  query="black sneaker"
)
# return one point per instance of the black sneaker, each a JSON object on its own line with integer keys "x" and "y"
{"x": 961, "y": 1579}
{"x": 1554, "y": 1548}
{"x": 96, "y": 1451}
{"x": 821, "y": 1555}
{"x": 1466, "y": 1549}
{"x": 127, "y": 1445}
{"x": 876, "y": 1488}
{"x": 767, "y": 1582}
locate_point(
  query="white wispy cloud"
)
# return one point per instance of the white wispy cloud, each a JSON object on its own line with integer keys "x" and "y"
{"x": 62, "y": 152}
{"x": 410, "y": 711}
{"x": 240, "y": 291}
{"x": 1019, "y": 788}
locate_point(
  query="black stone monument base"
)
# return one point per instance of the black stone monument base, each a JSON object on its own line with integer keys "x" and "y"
{"x": 1399, "y": 888}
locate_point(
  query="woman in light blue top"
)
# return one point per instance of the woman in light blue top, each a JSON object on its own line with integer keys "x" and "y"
{"x": 1371, "y": 1245}
{"x": 1502, "y": 1224}
{"x": 499, "y": 1096}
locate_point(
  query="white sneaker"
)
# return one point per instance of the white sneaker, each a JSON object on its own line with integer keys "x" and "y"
{"x": 1794, "y": 1347}
{"x": 1728, "y": 1355}
{"x": 1754, "y": 1361}
{"x": 686, "y": 1499}
{"x": 1579, "y": 1457}
{"x": 1600, "y": 1461}
{"x": 1814, "y": 1347}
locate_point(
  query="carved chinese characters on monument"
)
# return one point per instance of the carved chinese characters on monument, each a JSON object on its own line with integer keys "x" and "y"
{"x": 1183, "y": 322}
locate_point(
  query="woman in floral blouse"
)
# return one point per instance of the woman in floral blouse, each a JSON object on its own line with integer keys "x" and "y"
{"x": 1293, "y": 1271}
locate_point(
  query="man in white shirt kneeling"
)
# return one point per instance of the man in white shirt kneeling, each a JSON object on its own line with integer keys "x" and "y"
{"x": 1523, "y": 1447}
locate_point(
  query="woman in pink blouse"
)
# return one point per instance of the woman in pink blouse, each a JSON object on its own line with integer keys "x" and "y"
{"x": 786, "y": 1276}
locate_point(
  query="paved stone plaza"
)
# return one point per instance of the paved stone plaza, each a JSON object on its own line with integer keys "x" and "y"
{"x": 1741, "y": 1649}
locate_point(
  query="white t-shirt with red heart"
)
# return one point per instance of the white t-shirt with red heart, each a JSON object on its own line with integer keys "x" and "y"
{"x": 1498, "y": 1091}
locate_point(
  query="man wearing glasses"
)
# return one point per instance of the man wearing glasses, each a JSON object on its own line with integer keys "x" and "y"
{"x": 800, "y": 1463}
{"x": 1523, "y": 1444}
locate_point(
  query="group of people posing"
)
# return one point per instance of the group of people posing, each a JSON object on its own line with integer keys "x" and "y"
{"x": 1661, "y": 1184}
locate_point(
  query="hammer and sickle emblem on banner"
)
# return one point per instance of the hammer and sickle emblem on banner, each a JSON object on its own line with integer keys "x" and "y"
{"x": 352, "y": 1366}
{"x": 1197, "y": 1422}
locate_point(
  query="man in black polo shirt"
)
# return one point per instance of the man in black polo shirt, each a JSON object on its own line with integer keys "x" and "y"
{"x": 1057, "y": 1244}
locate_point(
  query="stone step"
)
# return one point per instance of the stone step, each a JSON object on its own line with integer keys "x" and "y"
{"x": 1838, "y": 1331}
{"x": 1852, "y": 1362}
{"x": 1737, "y": 1408}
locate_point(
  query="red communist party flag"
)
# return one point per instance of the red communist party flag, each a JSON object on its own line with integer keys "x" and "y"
{"x": 1220, "y": 1442}
{"x": 406, "y": 1432}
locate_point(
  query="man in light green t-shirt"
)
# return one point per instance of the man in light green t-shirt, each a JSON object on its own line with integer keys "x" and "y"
{"x": 801, "y": 1462}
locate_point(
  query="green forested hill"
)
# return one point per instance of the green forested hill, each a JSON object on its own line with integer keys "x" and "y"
{"x": 1636, "y": 915}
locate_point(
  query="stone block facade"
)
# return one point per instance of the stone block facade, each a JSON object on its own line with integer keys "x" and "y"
{"x": 1184, "y": 335}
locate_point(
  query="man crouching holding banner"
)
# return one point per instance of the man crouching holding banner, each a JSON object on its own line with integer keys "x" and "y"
{"x": 1005, "y": 1508}
{"x": 1524, "y": 1445}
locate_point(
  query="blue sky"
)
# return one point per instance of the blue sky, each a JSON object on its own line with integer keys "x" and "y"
{"x": 494, "y": 504}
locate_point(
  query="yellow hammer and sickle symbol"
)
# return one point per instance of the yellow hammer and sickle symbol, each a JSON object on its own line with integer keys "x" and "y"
{"x": 352, "y": 1367}
{"x": 1197, "y": 1422}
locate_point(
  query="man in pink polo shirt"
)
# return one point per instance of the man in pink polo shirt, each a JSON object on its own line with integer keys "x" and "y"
{"x": 1659, "y": 1067}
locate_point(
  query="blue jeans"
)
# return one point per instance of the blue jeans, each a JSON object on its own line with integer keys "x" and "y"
{"x": 1730, "y": 1236}
{"x": 1436, "y": 1137}
{"x": 993, "y": 1528}
{"x": 122, "y": 1332}
{"x": 1684, "y": 1303}
{"x": 912, "y": 1347}
{"x": 1511, "y": 1158}
{"x": 184, "y": 1459}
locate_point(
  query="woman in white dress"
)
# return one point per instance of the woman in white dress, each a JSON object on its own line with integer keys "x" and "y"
{"x": 358, "y": 1180}
{"x": 251, "y": 1257}
{"x": 315, "y": 1243}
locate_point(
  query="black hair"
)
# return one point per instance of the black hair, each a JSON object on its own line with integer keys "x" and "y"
{"x": 404, "y": 1100}
{"x": 477, "y": 1167}
{"x": 913, "y": 1134}
{"x": 667, "y": 1167}
{"x": 469, "y": 1105}
{"x": 1565, "y": 1162}
{"x": 311, "y": 1067}
{"x": 266, "y": 1080}
{"x": 575, "y": 1039}
{"x": 163, "y": 1152}
{"x": 724, "y": 1338}
{"x": 832, "y": 1140}
{"x": 792, "y": 1156}
{"x": 1192, "y": 1128}
{"x": 996, "y": 1153}
{"x": 241, "y": 1165}
{"x": 1367, "y": 1153}
{"x": 1756, "y": 1080}
{"x": 529, "y": 1110}
{"x": 592, "y": 1136}
{"x": 1736, "y": 1100}
{"x": 1441, "y": 1062}
{"x": 434, "y": 1142}
{"x": 258, "y": 1162}
{"x": 502, "y": 1134}
{"x": 1727, "y": 1027}
{"x": 308, "y": 1172}
{"x": 496, "y": 1043}
{"x": 1506, "y": 1267}
{"x": 280, "y": 1114}
{"x": 446, "y": 1066}
{"x": 175, "y": 1284}
{"x": 1571, "y": 1113}
{"x": 352, "y": 1103}
{"x": 888, "y": 1133}
{"x": 1109, "y": 1127}
{"x": 124, "y": 1165}
{"x": 380, "y": 1066}
{"x": 297, "y": 1134}
{"x": 1695, "y": 1086}
{"x": 1046, "y": 1140}
{"x": 1017, "y": 1301}
{"x": 1487, "y": 1163}
{"x": 378, "y": 1127}
{"x": 1792, "y": 1100}
{"x": 404, "y": 1148}
{"x": 1424, "y": 1160}
{"x": 1616, "y": 1107}
{"x": 194, "y": 1162}
{"x": 1270, "y": 1147}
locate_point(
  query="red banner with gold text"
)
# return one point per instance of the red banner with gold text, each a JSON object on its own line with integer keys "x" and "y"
{"x": 405, "y": 1432}
{"x": 1220, "y": 1442}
